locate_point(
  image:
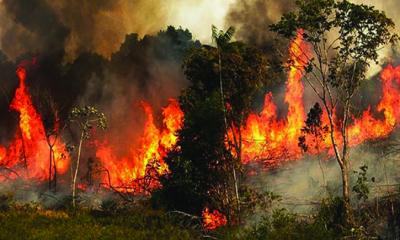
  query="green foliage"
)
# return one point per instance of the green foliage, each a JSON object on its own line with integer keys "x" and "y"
{"x": 331, "y": 214}
{"x": 284, "y": 225}
{"x": 361, "y": 188}
{"x": 244, "y": 74}
{"x": 201, "y": 166}
{"x": 359, "y": 32}
{"x": 220, "y": 37}
{"x": 86, "y": 118}
{"x": 343, "y": 39}
{"x": 196, "y": 164}
{"x": 27, "y": 222}
{"x": 313, "y": 127}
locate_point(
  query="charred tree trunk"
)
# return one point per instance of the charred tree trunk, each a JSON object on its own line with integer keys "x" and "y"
{"x": 50, "y": 166}
{"x": 55, "y": 174}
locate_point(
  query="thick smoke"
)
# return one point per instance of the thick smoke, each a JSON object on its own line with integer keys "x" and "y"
{"x": 252, "y": 19}
{"x": 146, "y": 69}
{"x": 85, "y": 56}
{"x": 101, "y": 26}
{"x": 35, "y": 28}
{"x": 78, "y": 26}
{"x": 98, "y": 26}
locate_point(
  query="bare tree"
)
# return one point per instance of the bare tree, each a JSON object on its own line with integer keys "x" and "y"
{"x": 344, "y": 39}
{"x": 49, "y": 110}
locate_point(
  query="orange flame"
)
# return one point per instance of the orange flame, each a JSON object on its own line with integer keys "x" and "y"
{"x": 273, "y": 141}
{"x": 3, "y": 153}
{"x": 29, "y": 146}
{"x": 266, "y": 137}
{"x": 213, "y": 220}
{"x": 154, "y": 145}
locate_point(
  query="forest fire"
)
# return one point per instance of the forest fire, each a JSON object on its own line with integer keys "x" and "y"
{"x": 30, "y": 148}
{"x": 271, "y": 140}
{"x": 213, "y": 220}
{"x": 265, "y": 138}
{"x": 264, "y": 119}
{"x": 154, "y": 145}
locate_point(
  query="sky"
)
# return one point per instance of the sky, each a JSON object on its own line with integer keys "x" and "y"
{"x": 199, "y": 17}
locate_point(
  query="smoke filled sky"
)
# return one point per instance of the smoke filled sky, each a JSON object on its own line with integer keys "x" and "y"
{"x": 101, "y": 26}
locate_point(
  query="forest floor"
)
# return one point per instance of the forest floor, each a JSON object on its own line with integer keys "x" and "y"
{"x": 27, "y": 222}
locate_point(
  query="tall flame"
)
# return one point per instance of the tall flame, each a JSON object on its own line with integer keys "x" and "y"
{"x": 154, "y": 145}
{"x": 29, "y": 147}
{"x": 271, "y": 140}
{"x": 264, "y": 136}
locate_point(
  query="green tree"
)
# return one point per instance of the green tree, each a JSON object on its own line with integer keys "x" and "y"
{"x": 344, "y": 39}
{"x": 205, "y": 157}
{"x": 85, "y": 118}
{"x": 222, "y": 40}
{"x": 315, "y": 130}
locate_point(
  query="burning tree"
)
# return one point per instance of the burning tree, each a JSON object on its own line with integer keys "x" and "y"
{"x": 85, "y": 118}
{"x": 49, "y": 110}
{"x": 28, "y": 147}
{"x": 344, "y": 39}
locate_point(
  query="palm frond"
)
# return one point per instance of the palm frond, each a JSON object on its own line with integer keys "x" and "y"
{"x": 229, "y": 34}
{"x": 214, "y": 33}
{"x": 220, "y": 37}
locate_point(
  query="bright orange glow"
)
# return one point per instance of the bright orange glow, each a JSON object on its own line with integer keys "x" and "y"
{"x": 213, "y": 220}
{"x": 3, "y": 153}
{"x": 368, "y": 127}
{"x": 29, "y": 147}
{"x": 265, "y": 138}
{"x": 153, "y": 147}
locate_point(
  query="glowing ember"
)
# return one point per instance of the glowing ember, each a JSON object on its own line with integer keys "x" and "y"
{"x": 154, "y": 145}
{"x": 29, "y": 147}
{"x": 213, "y": 220}
{"x": 3, "y": 152}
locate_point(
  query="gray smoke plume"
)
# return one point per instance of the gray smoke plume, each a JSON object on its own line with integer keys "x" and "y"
{"x": 252, "y": 19}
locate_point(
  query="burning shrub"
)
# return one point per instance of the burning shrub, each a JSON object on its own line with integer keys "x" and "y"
{"x": 213, "y": 220}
